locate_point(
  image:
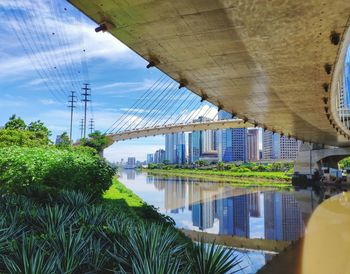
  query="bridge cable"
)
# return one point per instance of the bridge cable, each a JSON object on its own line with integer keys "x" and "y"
{"x": 141, "y": 104}
{"x": 163, "y": 108}
{"x": 180, "y": 97}
{"x": 194, "y": 113}
{"x": 157, "y": 102}
{"x": 146, "y": 104}
{"x": 170, "y": 84}
{"x": 135, "y": 105}
{"x": 190, "y": 102}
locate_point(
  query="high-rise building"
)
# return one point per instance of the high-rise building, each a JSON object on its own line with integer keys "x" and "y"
{"x": 195, "y": 147}
{"x": 131, "y": 163}
{"x": 253, "y": 144}
{"x": 233, "y": 142}
{"x": 175, "y": 148}
{"x": 276, "y": 147}
{"x": 190, "y": 147}
{"x": 150, "y": 158}
{"x": 202, "y": 144}
{"x": 159, "y": 156}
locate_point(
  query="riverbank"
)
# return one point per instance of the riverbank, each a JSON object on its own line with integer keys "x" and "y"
{"x": 119, "y": 198}
{"x": 274, "y": 179}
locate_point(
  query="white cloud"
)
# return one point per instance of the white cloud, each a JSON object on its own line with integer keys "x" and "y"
{"x": 53, "y": 40}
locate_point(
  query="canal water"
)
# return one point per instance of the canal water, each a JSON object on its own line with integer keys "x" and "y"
{"x": 223, "y": 209}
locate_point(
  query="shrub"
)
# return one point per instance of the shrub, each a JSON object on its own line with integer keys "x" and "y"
{"x": 88, "y": 239}
{"x": 71, "y": 169}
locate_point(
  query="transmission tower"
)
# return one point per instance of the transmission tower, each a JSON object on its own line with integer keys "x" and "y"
{"x": 91, "y": 125}
{"x": 81, "y": 128}
{"x": 86, "y": 94}
{"x": 71, "y": 101}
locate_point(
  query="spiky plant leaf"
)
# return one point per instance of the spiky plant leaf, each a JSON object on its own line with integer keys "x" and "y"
{"x": 212, "y": 258}
{"x": 69, "y": 247}
{"x": 27, "y": 257}
{"x": 75, "y": 199}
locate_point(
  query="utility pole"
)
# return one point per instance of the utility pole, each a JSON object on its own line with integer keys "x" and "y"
{"x": 71, "y": 102}
{"x": 86, "y": 93}
{"x": 91, "y": 125}
{"x": 81, "y": 128}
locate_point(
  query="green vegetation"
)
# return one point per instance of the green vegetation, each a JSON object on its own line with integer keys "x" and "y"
{"x": 344, "y": 163}
{"x": 236, "y": 181}
{"x": 73, "y": 234}
{"x": 96, "y": 140}
{"x": 64, "y": 141}
{"x": 121, "y": 198}
{"x": 16, "y": 132}
{"x": 286, "y": 167}
{"x": 54, "y": 220}
{"x": 242, "y": 173}
{"x": 74, "y": 169}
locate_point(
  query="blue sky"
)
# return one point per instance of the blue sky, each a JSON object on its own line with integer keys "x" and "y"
{"x": 45, "y": 48}
{"x": 117, "y": 75}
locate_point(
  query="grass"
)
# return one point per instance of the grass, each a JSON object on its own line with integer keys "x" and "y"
{"x": 275, "y": 179}
{"x": 119, "y": 197}
{"x": 120, "y": 192}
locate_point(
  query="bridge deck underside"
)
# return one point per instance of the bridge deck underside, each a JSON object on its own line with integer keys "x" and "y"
{"x": 263, "y": 60}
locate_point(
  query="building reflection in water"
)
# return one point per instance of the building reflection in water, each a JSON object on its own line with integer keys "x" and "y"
{"x": 233, "y": 209}
{"x": 130, "y": 174}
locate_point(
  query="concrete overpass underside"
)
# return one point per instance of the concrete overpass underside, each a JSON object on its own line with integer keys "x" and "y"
{"x": 261, "y": 60}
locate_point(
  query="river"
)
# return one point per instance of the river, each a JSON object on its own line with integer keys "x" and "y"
{"x": 223, "y": 209}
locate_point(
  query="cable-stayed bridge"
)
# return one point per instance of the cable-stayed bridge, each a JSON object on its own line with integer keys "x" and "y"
{"x": 167, "y": 107}
{"x": 279, "y": 65}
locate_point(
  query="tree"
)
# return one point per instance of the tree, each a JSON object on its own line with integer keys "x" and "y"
{"x": 96, "y": 140}
{"x": 64, "y": 140}
{"x": 39, "y": 129}
{"x": 16, "y": 123}
{"x": 13, "y": 137}
{"x": 16, "y": 132}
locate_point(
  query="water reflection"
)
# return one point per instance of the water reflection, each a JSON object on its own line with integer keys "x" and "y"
{"x": 223, "y": 209}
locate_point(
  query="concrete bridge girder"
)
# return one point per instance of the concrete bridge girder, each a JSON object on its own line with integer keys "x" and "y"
{"x": 309, "y": 161}
{"x": 212, "y": 125}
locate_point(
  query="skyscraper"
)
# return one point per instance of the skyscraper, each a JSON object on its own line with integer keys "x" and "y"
{"x": 175, "y": 148}
{"x": 276, "y": 147}
{"x": 253, "y": 144}
{"x": 131, "y": 163}
{"x": 195, "y": 147}
{"x": 233, "y": 142}
{"x": 150, "y": 158}
{"x": 159, "y": 156}
{"x": 202, "y": 144}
